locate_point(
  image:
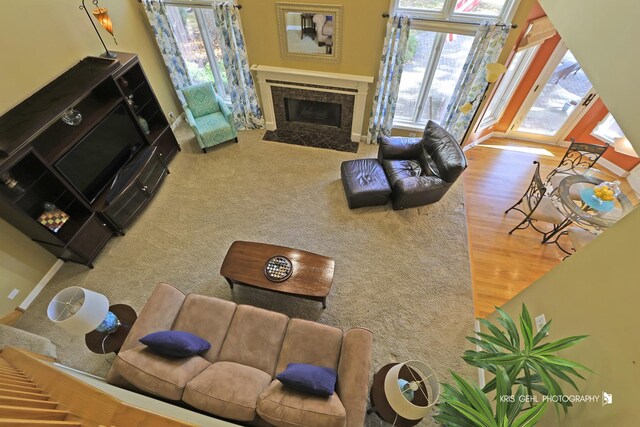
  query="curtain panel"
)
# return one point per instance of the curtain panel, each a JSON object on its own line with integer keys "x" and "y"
{"x": 387, "y": 87}
{"x": 246, "y": 109}
{"x": 157, "y": 15}
{"x": 472, "y": 83}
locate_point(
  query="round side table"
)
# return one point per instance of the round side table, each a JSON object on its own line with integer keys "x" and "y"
{"x": 102, "y": 342}
{"x": 380, "y": 404}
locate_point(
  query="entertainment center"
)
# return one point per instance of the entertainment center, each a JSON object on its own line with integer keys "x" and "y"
{"x": 81, "y": 157}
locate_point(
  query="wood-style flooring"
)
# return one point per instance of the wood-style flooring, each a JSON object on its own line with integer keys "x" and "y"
{"x": 503, "y": 265}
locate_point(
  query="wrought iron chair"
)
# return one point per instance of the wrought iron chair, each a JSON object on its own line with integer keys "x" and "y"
{"x": 536, "y": 207}
{"x": 579, "y": 157}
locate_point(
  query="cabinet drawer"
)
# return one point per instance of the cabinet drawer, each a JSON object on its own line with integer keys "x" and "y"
{"x": 152, "y": 174}
{"x": 167, "y": 145}
{"x": 91, "y": 238}
{"x": 126, "y": 206}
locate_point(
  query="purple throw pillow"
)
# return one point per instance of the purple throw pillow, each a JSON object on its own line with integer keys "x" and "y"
{"x": 310, "y": 379}
{"x": 175, "y": 343}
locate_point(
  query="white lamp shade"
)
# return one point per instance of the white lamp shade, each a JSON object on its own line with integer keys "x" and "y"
{"x": 622, "y": 145}
{"x": 396, "y": 398}
{"x": 78, "y": 310}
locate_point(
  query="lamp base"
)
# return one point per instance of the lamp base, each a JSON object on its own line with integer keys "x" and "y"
{"x": 109, "y": 54}
{"x": 110, "y": 324}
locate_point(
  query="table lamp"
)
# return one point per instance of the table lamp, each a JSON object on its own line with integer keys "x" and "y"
{"x": 80, "y": 311}
{"x": 401, "y": 392}
{"x": 102, "y": 16}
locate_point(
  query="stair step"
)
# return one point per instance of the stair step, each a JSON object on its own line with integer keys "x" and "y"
{"x": 21, "y": 388}
{"x": 24, "y": 394}
{"x": 4, "y": 378}
{"x": 10, "y": 370}
{"x": 9, "y": 422}
{"x": 18, "y": 383}
{"x": 32, "y": 413}
{"x": 17, "y": 375}
{"x": 30, "y": 403}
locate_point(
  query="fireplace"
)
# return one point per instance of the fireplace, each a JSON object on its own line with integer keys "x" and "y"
{"x": 314, "y": 112}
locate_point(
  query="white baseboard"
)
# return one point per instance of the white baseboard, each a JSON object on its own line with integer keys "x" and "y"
{"x": 481, "y": 378}
{"x": 177, "y": 122}
{"x": 41, "y": 284}
{"x": 478, "y": 141}
{"x": 613, "y": 167}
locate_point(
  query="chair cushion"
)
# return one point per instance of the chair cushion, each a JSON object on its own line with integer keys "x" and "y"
{"x": 311, "y": 343}
{"x": 364, "y": 182}
{"x": 445, "y": 152}
{"x": 214, "y": 129}
{"x": 227, "y": 389}
{"x": 546, "y": 212}
{"x": 196, "y": 317}
{"x": 579, "y": 237}
{"x": 163, "y": 376}
{"x": 175, "y": 343}
{"x": 574, "y": 190}
{"x": 401, "y": 169}
{"x": 201, "y": 99}
{"x": 254, "y": 338}
{"x": 284, "y": 407}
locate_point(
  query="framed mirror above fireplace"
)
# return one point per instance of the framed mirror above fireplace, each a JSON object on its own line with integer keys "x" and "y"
{"x": 310, "y": 31}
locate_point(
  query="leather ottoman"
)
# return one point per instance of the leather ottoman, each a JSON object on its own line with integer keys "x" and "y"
{"x": 365, "y": 183}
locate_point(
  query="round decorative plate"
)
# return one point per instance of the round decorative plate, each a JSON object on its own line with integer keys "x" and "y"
{"x": 278, "y": 268}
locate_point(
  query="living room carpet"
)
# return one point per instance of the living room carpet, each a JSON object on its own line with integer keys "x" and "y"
{"x": 403, "y": 274}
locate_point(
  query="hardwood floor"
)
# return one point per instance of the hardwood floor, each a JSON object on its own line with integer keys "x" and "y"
{"x": 503, "y": 265}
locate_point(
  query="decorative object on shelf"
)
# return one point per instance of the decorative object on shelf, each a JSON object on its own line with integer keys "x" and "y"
{"x": 144, "y": 125}
{"x": 124, "y": 83}
{"x": 72, "y": 117}
{"x": 80, "y": 311}
{"x": 52, "y": 217}
{"x": 401, "y": 390}
{"x": 11, "y": 183}
{"x": 102, "y": 16}
{"x": 278, "y": 268}
{"x": 131, "y": 102}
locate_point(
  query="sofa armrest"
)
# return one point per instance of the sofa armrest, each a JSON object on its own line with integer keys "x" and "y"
{"x": 418, "y": 191}
{"x": 353, "y": 374}
{"x": 396, "y": 147}
{"x": 224, "y": 109}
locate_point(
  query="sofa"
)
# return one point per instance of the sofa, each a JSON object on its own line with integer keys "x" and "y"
{"x": 235, "y": 379}
{"x": 421, "y": 170}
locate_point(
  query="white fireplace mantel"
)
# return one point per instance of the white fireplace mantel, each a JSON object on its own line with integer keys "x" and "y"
{"x": 350, "y": 84}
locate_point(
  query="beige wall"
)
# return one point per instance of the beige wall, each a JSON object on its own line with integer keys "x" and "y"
{"x": 363, "y": 31}
{"x": 39, "y": 39}
{"x": 597, "y": 290}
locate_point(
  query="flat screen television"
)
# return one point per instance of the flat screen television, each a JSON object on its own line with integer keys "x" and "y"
{"x": 94, "y": 161}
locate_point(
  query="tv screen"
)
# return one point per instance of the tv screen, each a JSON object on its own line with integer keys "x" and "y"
{"x": 94, "y": 161}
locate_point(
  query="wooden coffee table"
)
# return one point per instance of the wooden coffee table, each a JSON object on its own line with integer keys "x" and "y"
{"x": 311, "y": 278}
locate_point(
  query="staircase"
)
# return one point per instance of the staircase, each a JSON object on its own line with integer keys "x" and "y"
{"x": 23, "y": 403}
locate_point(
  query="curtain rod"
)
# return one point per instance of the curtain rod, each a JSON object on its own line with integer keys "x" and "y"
{"x": 193, "y": 3}
{"x": 514, "y": 26}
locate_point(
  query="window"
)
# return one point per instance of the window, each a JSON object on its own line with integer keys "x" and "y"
{"x": 199, "y": 46}
{"x": 608, "y": 130}
{"x": 440, "y": 39}
{"x": 510, "y": 81}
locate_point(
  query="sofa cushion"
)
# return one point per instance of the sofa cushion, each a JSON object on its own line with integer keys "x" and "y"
{"x": 445, "y": 152}
{"x": 201, "y": 99}
{"x": 254, "y": 338}
{"x": 227, "y": 389}
{"x": 311, "y": 343}
{"x": 207, "y": 317}
{"x": 175, "y": 343}
{"x": 160, "y": 375}
{"x": 312, "y": 379}
{"x": 401, "y": 169}
{"x": 284, "y": 407}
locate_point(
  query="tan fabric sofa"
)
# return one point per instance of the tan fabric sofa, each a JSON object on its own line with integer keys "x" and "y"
{"x": 235, "y": 379}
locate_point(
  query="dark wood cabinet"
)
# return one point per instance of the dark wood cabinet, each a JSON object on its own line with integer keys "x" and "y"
{"x": 34, "y": 140}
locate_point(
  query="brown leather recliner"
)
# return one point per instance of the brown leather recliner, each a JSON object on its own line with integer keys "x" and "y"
{"x": 421, "y": 170}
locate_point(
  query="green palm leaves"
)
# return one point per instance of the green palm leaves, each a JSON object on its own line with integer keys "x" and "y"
{"x": 523, "y": 358}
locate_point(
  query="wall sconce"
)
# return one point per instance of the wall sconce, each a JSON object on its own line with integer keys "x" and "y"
{"x": 102, "y": 15}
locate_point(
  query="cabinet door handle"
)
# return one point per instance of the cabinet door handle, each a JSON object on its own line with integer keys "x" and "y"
{"x": 144, "y": 188}
{"x": 104, "y": 225}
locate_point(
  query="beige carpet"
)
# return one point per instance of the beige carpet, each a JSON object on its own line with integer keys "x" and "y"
{"x": 404, "y": 275}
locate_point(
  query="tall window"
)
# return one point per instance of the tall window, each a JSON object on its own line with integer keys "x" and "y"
{"x": 608, "y": 130}
{"x": 439, "y": 42}
{"x": 199, "y": 45}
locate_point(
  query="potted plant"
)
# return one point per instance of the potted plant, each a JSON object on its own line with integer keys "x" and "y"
{"x": 524, "y": 357}
{"x": 468, "y": 406}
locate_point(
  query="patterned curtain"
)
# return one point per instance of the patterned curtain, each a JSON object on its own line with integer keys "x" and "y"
{"x": 472, "y": 83}
{"x": 157, "y": 15}
{"x": 246, "y": 110}
{"x": 386, "y": 95}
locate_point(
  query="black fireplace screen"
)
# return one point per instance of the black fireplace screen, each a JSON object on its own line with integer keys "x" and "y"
{"x": 315, "y": 112}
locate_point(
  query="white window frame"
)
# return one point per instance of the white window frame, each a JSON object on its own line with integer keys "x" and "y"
{"x": 442, "y": 22}
{"x": 605, "y": 122}
{"x": 506, "y": 89}
{"x": 208, "y": 45}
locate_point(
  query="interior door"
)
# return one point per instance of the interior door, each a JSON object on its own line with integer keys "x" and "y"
{"x": 556, "y": 102}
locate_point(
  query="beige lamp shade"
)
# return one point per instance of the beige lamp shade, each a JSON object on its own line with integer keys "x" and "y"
{"x": 102, "y": 15}
{"x": 78, "y": 310}
{"x": 424, "y": 376}
{"x": 494, "y": 71}
{"x": 623, "y": 146}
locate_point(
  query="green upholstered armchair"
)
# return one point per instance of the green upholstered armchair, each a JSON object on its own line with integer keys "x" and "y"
{"x": 208, "y": 115}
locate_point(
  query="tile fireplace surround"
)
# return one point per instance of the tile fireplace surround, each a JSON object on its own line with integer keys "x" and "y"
{"x": 350, "y": 91}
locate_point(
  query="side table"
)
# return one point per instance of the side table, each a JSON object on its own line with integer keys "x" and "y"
{"x": 306, "y": 25}
{"x": 102, "y": 342}
{"x": 380, "y": 404}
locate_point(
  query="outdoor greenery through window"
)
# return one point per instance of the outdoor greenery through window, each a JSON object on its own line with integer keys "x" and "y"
{"x": 199, "y": 45}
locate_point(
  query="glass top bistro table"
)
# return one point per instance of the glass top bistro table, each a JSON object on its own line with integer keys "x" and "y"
{"x": 585, "y": 211}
